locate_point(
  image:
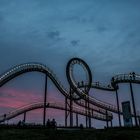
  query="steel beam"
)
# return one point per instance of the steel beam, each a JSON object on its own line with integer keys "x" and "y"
{"x": 77, "y": 120}
{"x": 106, "y": 119}
{"x": 86, "y": 113}
{"x": 24, "y": 117}
{"x": 133, "y": 103}
{"x": 45, "y": 96}
{"x": 66, "y": 101}
{"x": 118, "y": 108}
{"x": 71, "y": 113}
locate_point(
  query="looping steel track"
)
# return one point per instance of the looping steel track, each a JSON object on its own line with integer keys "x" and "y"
{"x": 101, "y": 106}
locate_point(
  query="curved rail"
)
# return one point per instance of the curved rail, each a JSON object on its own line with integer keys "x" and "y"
{"x": 29, "y": 67}
{"x": 97, "y": 85}
{"x": 121, "y": 78}
{"x": 125, "y": 78}
{"x": 59, "y": 105}
{"x": 71, "y": 79}
{"x": 82, "y": 93}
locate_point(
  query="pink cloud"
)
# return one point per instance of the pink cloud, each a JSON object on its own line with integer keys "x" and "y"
{"x": 14, "y": 98}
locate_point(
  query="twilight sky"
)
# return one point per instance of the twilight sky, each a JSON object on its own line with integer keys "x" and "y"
{"x": 105, "y": 33}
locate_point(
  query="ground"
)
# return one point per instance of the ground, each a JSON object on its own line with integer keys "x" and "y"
{"x": 79, "y": 134}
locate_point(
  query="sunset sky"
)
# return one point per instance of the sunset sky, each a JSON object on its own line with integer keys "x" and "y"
{"x": 104, "y": 33}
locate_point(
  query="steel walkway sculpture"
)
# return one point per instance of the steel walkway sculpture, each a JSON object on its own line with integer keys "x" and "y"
{"x": 78, "y": 92}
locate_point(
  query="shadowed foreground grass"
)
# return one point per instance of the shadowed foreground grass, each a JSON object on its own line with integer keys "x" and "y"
{"x": 45, "y": 134}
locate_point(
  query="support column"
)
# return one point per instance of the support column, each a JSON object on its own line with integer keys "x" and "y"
{"x": 45, "y": 96}
{"x": 88, "y": 124}
{"x": 71, "y": 104}
{"x": 76, "y": 120}
{"x": 92, "y": 118}
{"x": 86, "y": 113}
{"x": 138, "y": 120}
{"x": 118, "y": 108}
{"x": 133, "y": 103}
{"x": 24, "y": 119}
{"x": 89, "y": 120}
{"x": 5, "y": 117}
{"x": 106, "y": 119}
{"x": 89, "y": 115}
{"x": 66, "y": 101}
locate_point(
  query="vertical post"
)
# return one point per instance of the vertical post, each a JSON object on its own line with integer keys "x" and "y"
{"x": 86, "y": 109}
{"x": 71, "y": 114}
{"x": 106, "y": 119}
{"x": 24, "y": 119}
{"x": 133, "y": 103}
{"x": 5, "y": 117}
{"x": 76, "y": 120}
{"x": 118, "y": 108}
{"x": 45, "y": 95}
{"x": 92, "y": 118}
{"x": 138, "y": 121}
{"x": 89, "y": 120}
{"x": 65, "y": 111}
{"x": 89, "y": 115}
{"x": 86, "y": 114}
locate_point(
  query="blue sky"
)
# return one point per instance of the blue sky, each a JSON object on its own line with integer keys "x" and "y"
{"x": 106, "y": 34}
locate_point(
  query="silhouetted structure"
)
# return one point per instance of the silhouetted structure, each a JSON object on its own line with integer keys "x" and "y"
{"x": 76, "y": 94}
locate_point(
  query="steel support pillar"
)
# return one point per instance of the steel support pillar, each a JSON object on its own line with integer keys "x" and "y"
{"x": 86, "y": 113}
{"x": 106, "y": 119}
{"x": 133, "y": 103}
{"x": 92, "y": 118}
{"x": 45, "y": 96}
{"x": 24, "y": 117}
{"x": 89, "y": 115}
{"x": 71, "y": 104}
{"x": 118, "y": 108}
{"x": 89, "y": 120}
{"x": 87, "y": 110}
{"x": 138, "y": 121}
{"x": 77, "y": 120}
{"x": 66, "y": 112}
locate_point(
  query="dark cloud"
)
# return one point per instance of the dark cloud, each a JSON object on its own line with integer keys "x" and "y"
{"x": 75, "y": 42}
{"x": 101, "y": 28}
{"x": 43, "y": 26}
{"x": 54, "y": 35}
